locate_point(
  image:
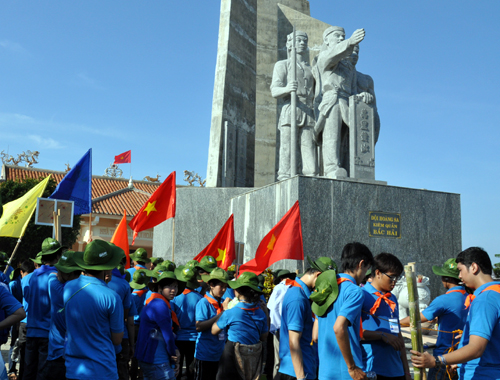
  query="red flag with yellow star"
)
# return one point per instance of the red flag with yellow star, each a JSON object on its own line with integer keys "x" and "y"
{"x": 221, "y": 248}
{"x": 284, "y": 241}
{"x": 124, "y": 158}
{"x": 158, "y": 208}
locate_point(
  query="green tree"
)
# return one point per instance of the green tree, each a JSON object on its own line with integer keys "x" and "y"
{"x": 32, "y": 240}
{"x": 496, "y": 268}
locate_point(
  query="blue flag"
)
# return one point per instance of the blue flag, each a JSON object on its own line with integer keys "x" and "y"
{"x": 77, "y": 185}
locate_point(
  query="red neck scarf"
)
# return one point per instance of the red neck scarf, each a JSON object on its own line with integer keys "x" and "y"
{"x": 472, "y": 297}
{"x": 140, "y": 293}
{"x": 456, "y": 291}
{"x": 386, "y": 299}
{"x": 215, "y": 304}
{"x": 187, "y": 291}
{"x": 340, "y": 280}
{"x": 138, "y": 267}
{"x": 160, "y": 297}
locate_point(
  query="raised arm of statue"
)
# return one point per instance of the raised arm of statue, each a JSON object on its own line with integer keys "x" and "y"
{"x": 280, "y": 86}
{"x": 335, "y": 48}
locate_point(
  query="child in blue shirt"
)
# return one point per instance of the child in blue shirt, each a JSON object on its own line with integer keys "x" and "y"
{"x": 480, "y": 342}
{"x": 383, "y": 346}
{"x": 209, "y": 309}
{"x": 246, "y": 324}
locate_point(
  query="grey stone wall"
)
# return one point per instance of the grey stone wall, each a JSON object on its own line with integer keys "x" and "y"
{"x": 335, "y": 212}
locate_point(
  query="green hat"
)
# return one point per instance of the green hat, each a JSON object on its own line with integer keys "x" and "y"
{"x": 187, "y": 275}
{"x": 98, "y": 255}
{"x": 192, "y": 264}
{"x": 38, "y": 258}
{"x": 66, "y": 263}
{"x": 121, "y": 269}
{"x": 207, "y": 263}
{"x": 165, "y": 275}
{"x": 168, "y": 265}
{"x": 218, "y": 274}
{"x": 3, "y": 258}
{"x": 231, "y": 274}
{"x": 326, "y": 292}
{"x": 246, "y": 279}
{"x": 127, "y": 276}
{"x": 117, "y": 251}
{"x": 280, "y": 274}
{"x": 15, "y": 273}
{"x": 262, "y": 280}
{"x": 448, "y": 269}
{"x": 50, "y": 246}
{"x": 140, "y": 279}
{"x": 157, "y": 260}
{"x": 322, "y": 264}
{"x": 140, "y": 254}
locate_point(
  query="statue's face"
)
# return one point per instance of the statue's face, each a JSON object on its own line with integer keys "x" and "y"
{"x": 300, "y": 44}
{"x": 335, "y": 37}
{"x": 354, "y": 57}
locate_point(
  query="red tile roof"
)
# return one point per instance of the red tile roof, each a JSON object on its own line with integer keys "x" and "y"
{"x": 109, "y": 195}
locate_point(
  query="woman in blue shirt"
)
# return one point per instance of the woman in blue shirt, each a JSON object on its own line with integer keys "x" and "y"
{"x": 247, "y": 325}
{"x": 155, "y": 348}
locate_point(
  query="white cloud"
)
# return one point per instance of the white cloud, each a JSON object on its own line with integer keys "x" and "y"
{"x": 14, "y": 46}
{"x": 45, "y": 142}
{"x": 82, "y": 79}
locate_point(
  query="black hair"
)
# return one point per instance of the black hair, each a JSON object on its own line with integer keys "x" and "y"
{"x": 476, "y": 255}
{"x": 52, "y": 257}
{"x": 451, "y": 280}
{"x": 27, "y": 266}
{"x": 166, "y": 282}
{"x": 387, "y": 263}
{"x": 140, "y": 262}
{"x": 250, "y": 295}
{"x": 215, "y": 282}
{"x": 311, "y": 271}
{"x": 353, "y": 253}
{"x": 93, "y": 272}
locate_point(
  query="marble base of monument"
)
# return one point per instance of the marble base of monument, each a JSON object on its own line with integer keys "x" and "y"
{"x": 416, "y": 225}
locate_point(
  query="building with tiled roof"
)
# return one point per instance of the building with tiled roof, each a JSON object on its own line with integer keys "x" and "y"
{"x": 110, "y": 197}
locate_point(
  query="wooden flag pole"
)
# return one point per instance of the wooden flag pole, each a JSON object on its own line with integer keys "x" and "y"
{"x": 415, "y": 324}
{"x": 173, "y": 239}
{"x": 12, "y": 256}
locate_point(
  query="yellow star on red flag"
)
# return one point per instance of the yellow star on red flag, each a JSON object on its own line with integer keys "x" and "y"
{"x": 150, "y": 207}
{"x": 222, "y": 255}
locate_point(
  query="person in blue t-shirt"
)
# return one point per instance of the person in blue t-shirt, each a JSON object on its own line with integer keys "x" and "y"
{"x": 37, "y": 297}
{"x": 449, "y": 310}
{"x": 140, "y": 259}
{"x": 94, "y": 315}
{"x": 155, "y": 349}
{"x": 27, "y": 268}
{"x": 17, "y": 291}
{"x": 297, "y": 357}
{"x": 480, "y": 343}
{"x": 247, "y": 324}
{"x": 383, "y": 346}
{"x": 67, "y": 270}
{"x": 184, "y": 305}
{"x": 338, "y": 308}
{"x": 209, "y": 309}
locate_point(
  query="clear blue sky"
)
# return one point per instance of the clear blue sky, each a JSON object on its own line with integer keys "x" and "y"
{"x": 139, "y": 75}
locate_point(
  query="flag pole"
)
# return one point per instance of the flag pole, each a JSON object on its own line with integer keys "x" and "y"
{"x": 12, "y": 256}
{"x": 173, "y": 238}
{"x": 90, "y": 226}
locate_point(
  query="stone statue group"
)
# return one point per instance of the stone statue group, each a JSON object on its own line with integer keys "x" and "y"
{"x": 322, "y": 95}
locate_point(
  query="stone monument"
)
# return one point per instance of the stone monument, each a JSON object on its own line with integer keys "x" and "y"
{"x": 340, "y": 200}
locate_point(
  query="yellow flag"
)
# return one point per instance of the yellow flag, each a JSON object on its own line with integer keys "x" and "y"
{"x": 17, "y": 214}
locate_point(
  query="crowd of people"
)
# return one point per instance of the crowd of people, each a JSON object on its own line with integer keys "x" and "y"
{"x": 82, "y": 315}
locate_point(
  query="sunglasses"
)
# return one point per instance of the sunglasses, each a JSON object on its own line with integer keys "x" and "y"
{"x": 393, "y": 278}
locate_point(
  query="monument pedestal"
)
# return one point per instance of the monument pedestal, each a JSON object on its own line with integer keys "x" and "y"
{"x": 415, "y": 225}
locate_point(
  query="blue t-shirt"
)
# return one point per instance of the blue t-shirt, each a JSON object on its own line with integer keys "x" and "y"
{"x": 348, "y": 304}
{"x": 57, "y": 319}
{"x": 484, "y": 321}
{"x": 156, "y": 341}
{"x": 296, "y": 315}
{"x": 16, "y": 289}
{"x": 25, "y": 286}
{"x": 379, "y": 356}
{"x": 139, "y": 298}
{"x": 451, "y": 313}
{"x": 122, "y": 288}
{"x": 229, "y": 293}
{"x": 184, "y": 305}
{"x": 8, "y": 303}
{"x": 245, "y": 323}
{"x": 38, "y": 299}
{"x": 4, "y": 278}
{"x": 93, "y": 311}
{"x": 209, "y": 347}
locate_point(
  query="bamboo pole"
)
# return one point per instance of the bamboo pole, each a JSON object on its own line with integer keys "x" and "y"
{"x": 415, "y": 324}
{"x": 12, "y": 256}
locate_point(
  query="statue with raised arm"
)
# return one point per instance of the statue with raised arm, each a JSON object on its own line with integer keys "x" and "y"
{"x": 281, "y": 87}
{"x": 336, "y": 81}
